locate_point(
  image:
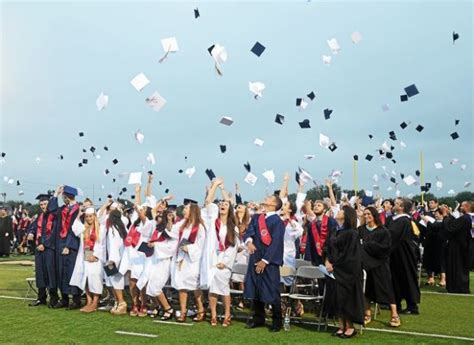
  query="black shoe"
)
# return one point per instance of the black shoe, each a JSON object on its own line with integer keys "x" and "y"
{"x": 410, "y": 312}
{"x": 254, "y": 324}
{"x": 73, "y": 306}
{"x": 59, "y": 305}
{"x": 276, "y": 328}
{"x": 344, "y": 336}
{"x": 338, "y": 333}
{"x": 37, "y": 303}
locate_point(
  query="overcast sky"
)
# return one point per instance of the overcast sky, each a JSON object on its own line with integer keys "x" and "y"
{"x": 56, "y": 58}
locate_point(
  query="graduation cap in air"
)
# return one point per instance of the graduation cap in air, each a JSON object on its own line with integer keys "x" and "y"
{"x": 114, "y": 180}
{"x": 369, "y": 157}
{"x": 419, "y": 128}
{"x": 456, "y": 122}
{"x": 327, "y": 113}
{"x": 455, "y": 36}
{"x": 305, "y": 124}
{"x": 106, "y": 148}
{"x": 84, "y": 161}
{"x": 79, "y": 165}
{"x": 279, "y": 119}
{"x": 18, "y": 182}
{"x": 3, "y": 154}
{"x": 454, "y": 135}
{"x": 84, "y": 150}
{"x": 370, "y": 136}
{"x": 196, "y": 13}
{"x": 81, "y": 134}
{"x": 180, "y": 171}
{"x": 392, "y": 135}
{"x": 393, "y": 180}
{"x": 115, "y": 161}
{"x": 311, "y": 95}
{"x": 106, "y": 171}
{"x": 356, "y": 157}
{"x": 223, "y": 148}
{"x": 92, "y": 149}
{"x": 403, "y": 98}
{"x": 298, "y": 101}
{"x": 332, "y": 147}
{"x": 247, "y": 166}
{"x": 210, "y": 174}
{"x": 403, "y": 125}
{"x": 426, "y": 187}
{"x": 297, "y": 177}
{"x": 187, "y": 201}
{"x": 61, "y": 157}
{"x": 389, "y": 155}
{"x": 124, "y": 189}
{"x": 411, "y": 90}
{"x": 167, "y": 190}
{"x": 42, "y": 197}
{"x": 258, "y": 49}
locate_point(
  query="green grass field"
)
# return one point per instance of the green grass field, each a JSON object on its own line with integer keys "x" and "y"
{"x": 19, "y": 324}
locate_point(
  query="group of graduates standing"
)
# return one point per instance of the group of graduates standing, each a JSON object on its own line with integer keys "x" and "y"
{"x": 370, "y": 248}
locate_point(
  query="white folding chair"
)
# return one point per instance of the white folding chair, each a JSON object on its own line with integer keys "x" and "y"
{"x": 31, "y": 282}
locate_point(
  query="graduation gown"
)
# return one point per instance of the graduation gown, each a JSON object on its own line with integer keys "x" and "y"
{"x": 376, "y": 246}
{"x": 115, "y": 248}
{"x": 344, "y": 253}
{"x": 403, "y": 261}
{"x": 433, "y": 245}
{"x": 311, "y": 253}
{"x": 65, "y": 263}
{"x": 6, "y": 235}
{"x": 458, "y": 233}
{"x": 264, "y": 287}
{"x": 293, "y": 232}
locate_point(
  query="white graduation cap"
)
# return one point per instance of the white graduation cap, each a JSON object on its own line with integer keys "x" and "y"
{"x": 98, "y": 156}
{"x": 386, "y": 147}
{"x": 226, "y": 120}
{"x": 369, "y": 193}
{"x": 269, "y": 176}
{"x": 5, "y": 178}
{"x": 219, "y": 54}
{"x": 190, "y": 172}
{"x": 38, "y": 160}
{"x": 334, "y": 45}
{"x": 451, "y": 192}
{"x": 305, "y": 177}
{"x": 258, "y": 142}
{"x": 439, "y": 184}
{"x": 251, "y": 179}
{"x": 308, "y": 157}
{"x": 402, "y": 144}
{"x": 463, "y": 167}
{"x": 135, "y": 178}
{"x": 140, "y": 81}
{"x": 151, "y": 158}
{"x": 324, "y": 141}
{"x": 356, "y": 37}
{"x": 397, "y": 193}
{"x": 80, "y": 192}
{"x": 303, "y": 104}
{"x": 438, "y": 165}
{"x": 375, "y": 178}
{"x": 353, "y": 200}
{"x": 257, "y": 88}
{"x": 336, "y": 174}
{"x": 326, "y": 59}
{"x": 389, "y": 188}
{"x": 394, "y": 173}
{"x": 2, "y": 160}
{"x": 21, "y": 192}
{"x": 102, "y": 101}
{"x": 11, "y": 181}
{"x": 454, "y": 161}
{"x": 385, "y": 107}
{"x": 384, "y": 168}
{"x": 156, "y": 101}
{"x": 139, "y": 136}
{"x": 467, "y": 184}
{"x": 409, "y": 180}
{"x": 170, "y": 44}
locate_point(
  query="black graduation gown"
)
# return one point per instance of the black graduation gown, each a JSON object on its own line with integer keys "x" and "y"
{"x": 403, "y": 262}
{"x": 344, "y": 253}
{"x": 6, "y": 229}
{"x": 376, "y": 246}
{"x": 310, "y": 253}
{"x": 458, "y": 233}
{"x": 433, "y": 246}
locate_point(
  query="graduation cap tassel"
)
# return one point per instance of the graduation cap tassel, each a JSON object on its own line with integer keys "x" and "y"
{"x": 422, "y": 177}
{"x": 218, "y": 70}
{"x": 165, "y": 56}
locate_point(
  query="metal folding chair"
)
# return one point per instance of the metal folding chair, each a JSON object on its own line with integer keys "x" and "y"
{"x": 31, "y": 282}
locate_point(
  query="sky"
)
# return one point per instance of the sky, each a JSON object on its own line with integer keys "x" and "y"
{"x": 57, "y": 57}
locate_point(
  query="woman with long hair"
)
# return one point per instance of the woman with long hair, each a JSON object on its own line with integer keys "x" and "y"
{"x": 343, "y": 259}
{"x": 186, "y": 262}
{"x": 88, "y": 269}
{"x": 376, "y": 245}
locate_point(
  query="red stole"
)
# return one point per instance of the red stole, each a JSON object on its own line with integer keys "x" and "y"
{"x": 226, "y": 244}
{"x": 303, "y": 243}
{"x": 66, "y": 216}
{"x": 39, "y": 225}
{"x": 192, "y": 235}
{"x": 264, "y": 233}
{"x": 319, "y": 240}
{"x": 158, "y": 236}
{"x": 287, "y": 221}
{"x": 89, "y": 243}
{"x": 132, "y": 238}
{"x": 23, "y": 224}
{"x": 383, "y": 217}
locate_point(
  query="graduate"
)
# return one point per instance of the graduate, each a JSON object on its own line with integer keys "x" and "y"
{"x": 386, "y": 211}
{"x": 6, "y": 232}
{"x": 343, "y": 259}
{"x": 116, "y": 234}
{"x": 264, "y": 239}
{"x": 223, "y": 241}
{"x": 21, "y": 231}
{"x": 42, "y": 232}
{"x": 67, "y": 245}
{"x": 403, "y": 259}
{"x": 88, "y": 272}
{"x": 186, "y": 262}
{"x": 376, "y": 243}
{"x": 459, "y": 232}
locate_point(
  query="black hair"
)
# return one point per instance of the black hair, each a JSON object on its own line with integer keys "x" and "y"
{"x": 115, "y": 220}
{"x": 278, "y": 201}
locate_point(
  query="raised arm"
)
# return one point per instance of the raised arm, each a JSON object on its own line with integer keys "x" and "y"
{"x": 284, "y": 186}
{"x": 331, "y": 192}
{"x": 138, "y": 198}
{"x": 149, "y": 183}
{"x": 212, "y": 190}
{"x": 226, "y": 196}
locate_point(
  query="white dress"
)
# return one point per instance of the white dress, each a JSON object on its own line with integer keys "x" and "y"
{"x": 115, "y": 250}
{"x": 185, "y": 267}
{"x": 161, "y": 264}
{"x": 293, "y": 231}
{"x": 84, "y": 272}
{"x": 146, "y": 230}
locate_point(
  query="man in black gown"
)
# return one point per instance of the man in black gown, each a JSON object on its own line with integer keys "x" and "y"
{"x": 6, "y": 232}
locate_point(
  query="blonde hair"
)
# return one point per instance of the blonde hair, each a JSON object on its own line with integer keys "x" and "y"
{"x": 87, "y": 228}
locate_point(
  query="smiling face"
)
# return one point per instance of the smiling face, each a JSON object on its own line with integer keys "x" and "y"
{"x": 224, "y": 208}
{"x": 43, "y": 205}
{"x": 369, "y": 219}
{"x": 89, "y": 218}
{"x": 398, "y": 208}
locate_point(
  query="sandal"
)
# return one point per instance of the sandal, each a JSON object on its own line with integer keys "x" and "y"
{"x": 213, "y": 321}
{"x": 226, "y": 322}
{"x": 395, "y": 321}
{"x": 182, "y": 317}
{"x": 168, "y": 314}
{"x": 200, "y": 316}
{"x": 367, "y": 319}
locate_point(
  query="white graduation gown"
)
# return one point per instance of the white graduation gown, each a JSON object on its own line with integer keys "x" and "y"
{"x": 293, "y": 231}
{"x": 115, "y": 250}
{"x": 145, "y": 229}
{"x": 185, "y": 267}
{"x": 89, "y": 272}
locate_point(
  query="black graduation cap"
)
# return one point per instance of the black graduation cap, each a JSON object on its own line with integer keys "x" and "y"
{"x": 392, "y": 135}
{"x": 189, "y": 201}
{"x": 247, "y": 166}
{"x": 3, "y": 154}
{"x": 167, "y": 190}
{"x": 92, "y": 149}
{"x": 392, "y": 147}
{"x": 356, "y": 157}
{"x": 305, "y": 124}
{"x": 403, "y": 98}
{"x": 258, "y": 49}
{"x": 106, "y": 171}
{"x": 279, "y": 119}
{"x": 381, "y": 152}
{"x": 210, "y": 174}
{"x": 132, "y": 197}
{"x": 81, "y": 134}
{"x": 84, "y": 161}
{"x": 238, "y": 199}
{"x": 417, "y": 173}
{"x": 311, "y": 95}
{"x": 297, "y": 177}
{"x": 210, "y": 49}
{"x": 120, "y": 193}
{"x": 180, "y": 171}
{"x": 402, "y": 176}
{"x": 150, "y": 172}
{"x": 389, "y": 155}
{"x": 393, "y": 180}
{"x": 124, "y": 189}
{"x": 61, "y": 157}
{"x": 403, "y": 125}
{"x": 84, "y": 150}
{"x": 332, "y": 147}
{"x": 106, "y": 148}
{"x": 456, "y": 122}
{"x": 160, "y": 183}
{"x": 370, "y": 136}
{"x": 115, "y": 161}
{"x": 100, "y": 199}
{"x": 18, "y": 182}
{"x": 298, "y": 101}
{"x": 327, "y": 113}
{"x": 419, "y": 128}
{"x": 79, "y": 165}
{"x": 42, "y": 197}
{"x": 110, "y": 269}
{"x": 196, "y": 13}
{"x": 223, "y": 148}
{"x": 114, "y": 180}
{"x": 369, "y": 157}
{"x": 455, "y": 36}
{"x": 454, "y": 135}
{"x": 411, "y": 90}
{"x": 394, "y": 161}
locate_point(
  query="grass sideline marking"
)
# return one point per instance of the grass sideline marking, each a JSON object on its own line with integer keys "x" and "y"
{"x": 419, "y": 334}
{"x": 137, "y": 334}
{"x": 173, "y": 323}
{"x": 14, "y": 297}
{"x": 448, "y": 294}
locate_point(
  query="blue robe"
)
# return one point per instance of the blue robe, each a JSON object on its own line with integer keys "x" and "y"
{"x": 265, "y": 287}
{"x": 45, "y": 261}
{"x": 310, "y": 253}
{"x": 65, "y": 263}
